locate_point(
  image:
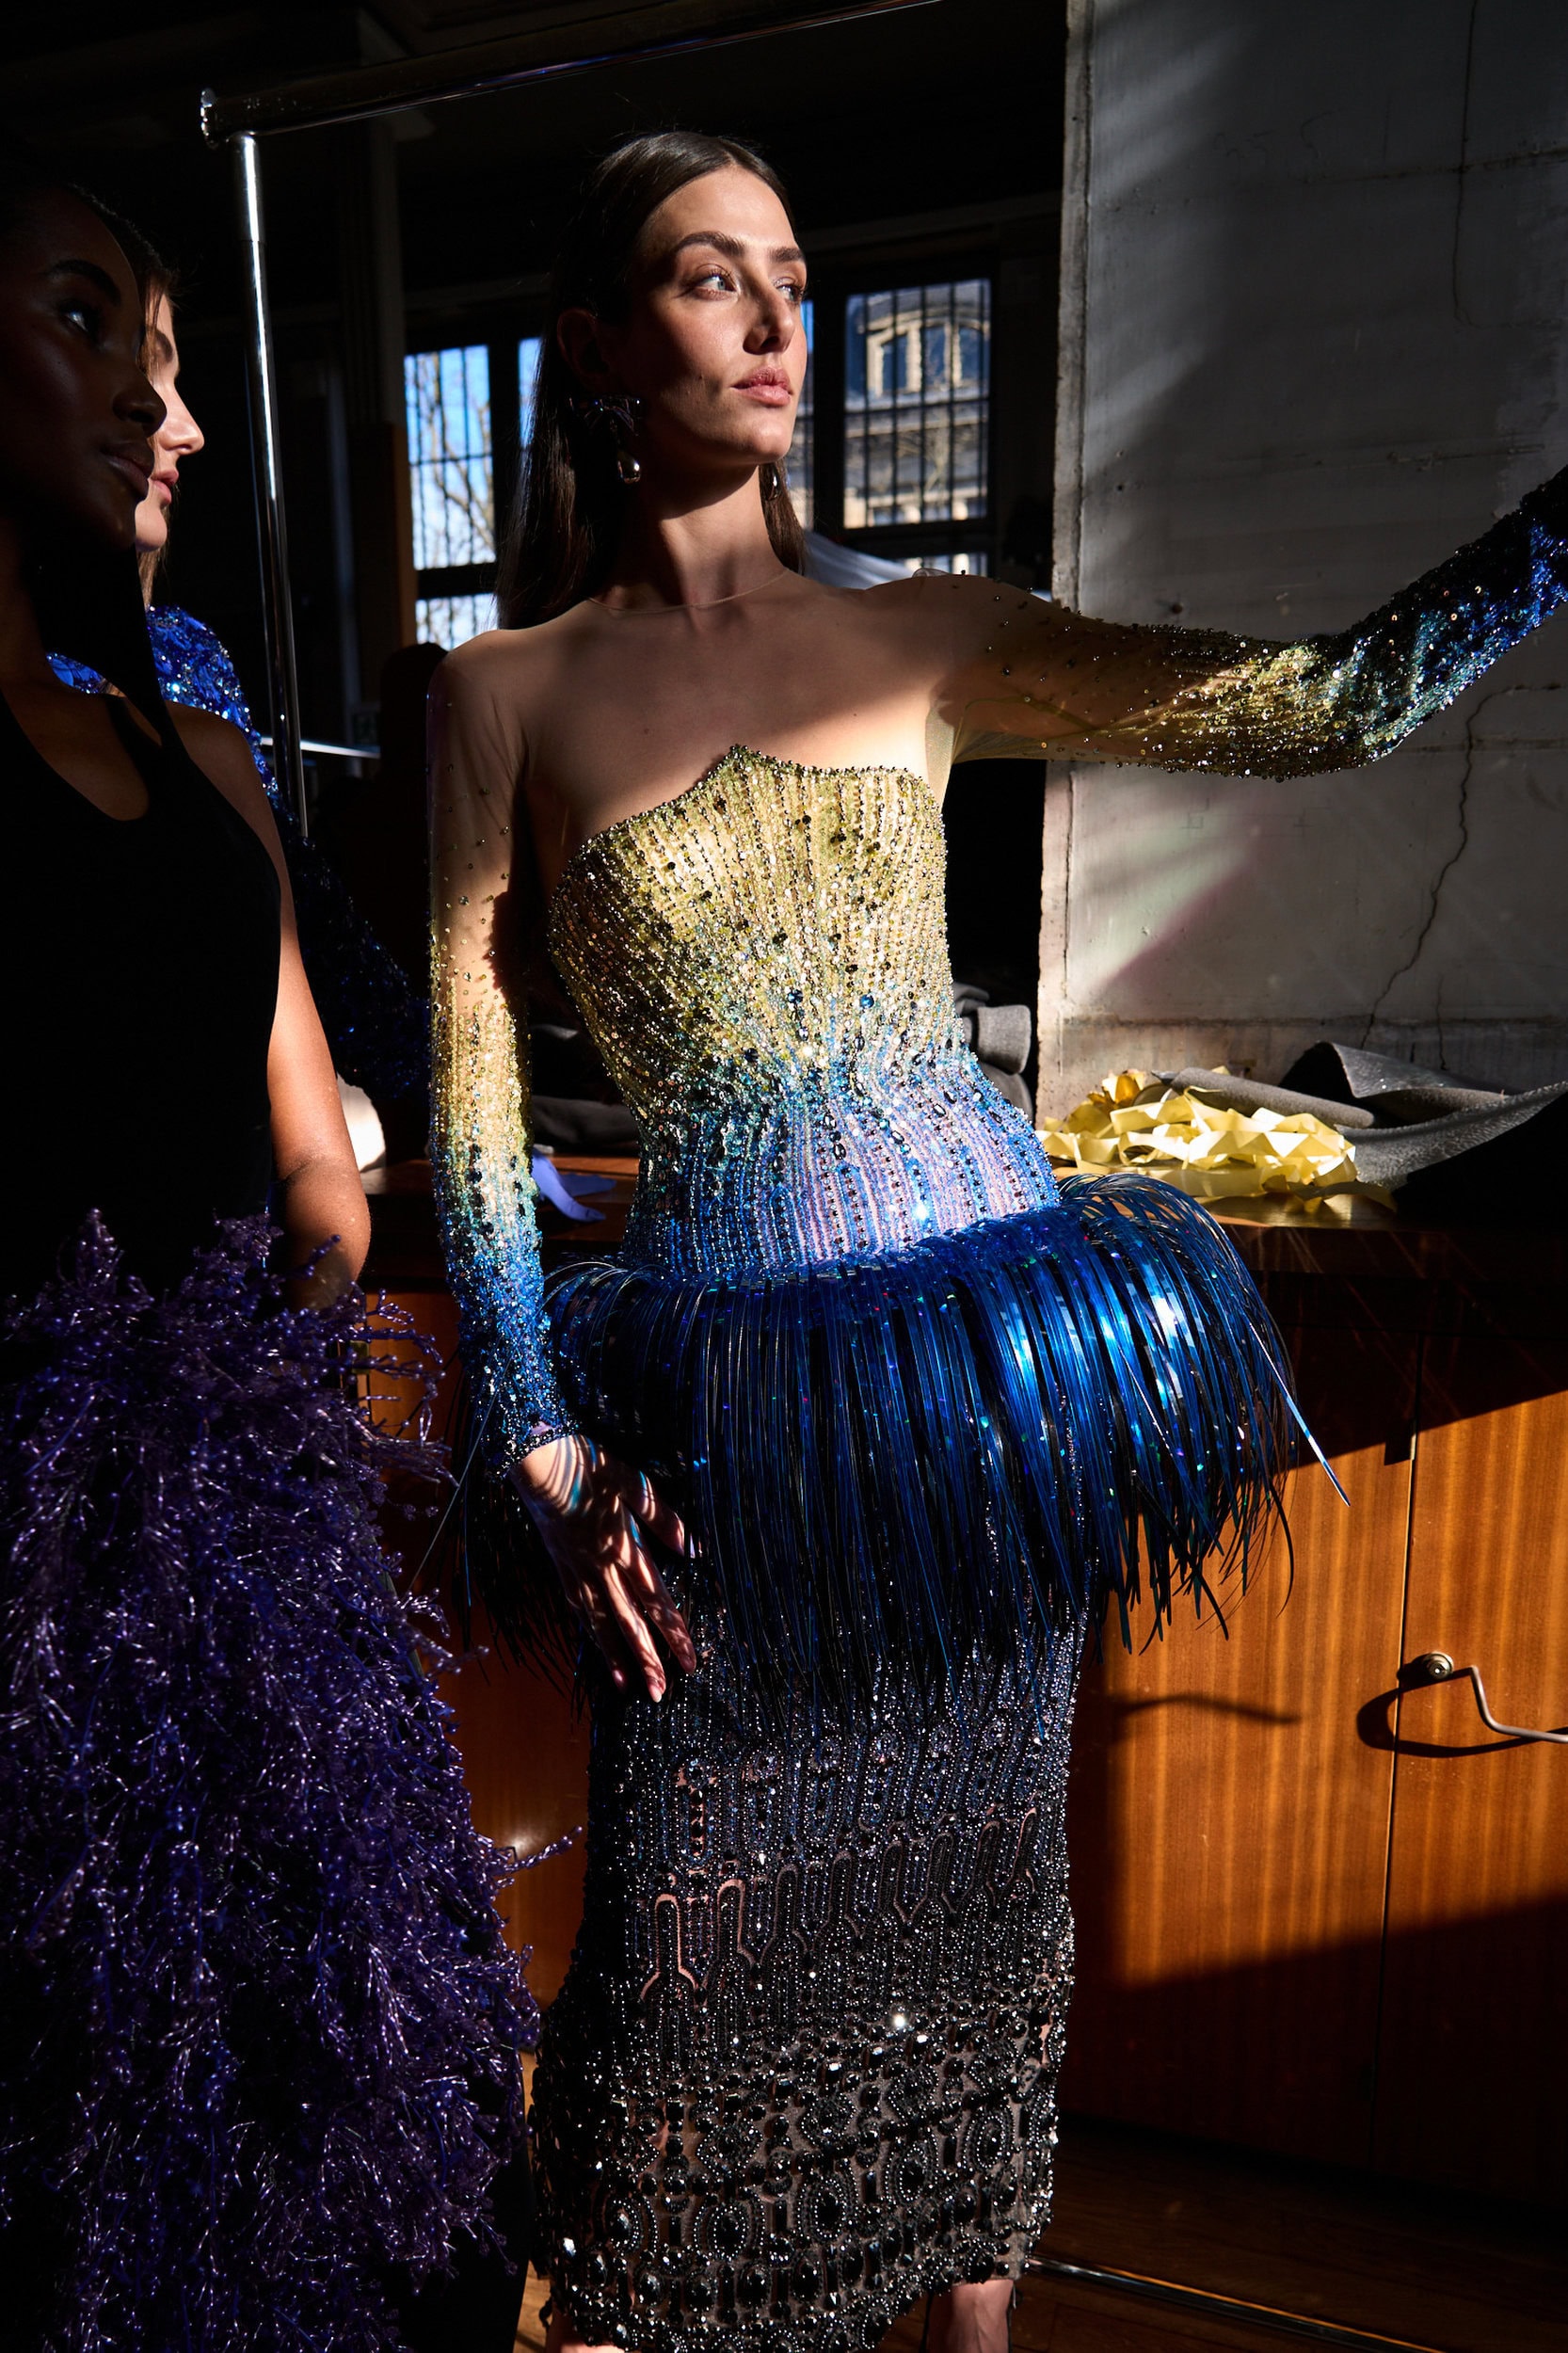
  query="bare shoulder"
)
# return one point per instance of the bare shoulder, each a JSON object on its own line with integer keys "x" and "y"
{"x": 946, "y": 614}
{"x": 224, "y": 757}
{"x": 506, "y": 666}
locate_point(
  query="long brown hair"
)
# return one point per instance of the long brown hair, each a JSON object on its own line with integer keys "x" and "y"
{"x": 562, "y": 535}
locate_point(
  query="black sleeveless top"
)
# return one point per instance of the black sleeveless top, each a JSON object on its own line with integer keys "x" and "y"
{"x": 139, "y": 978}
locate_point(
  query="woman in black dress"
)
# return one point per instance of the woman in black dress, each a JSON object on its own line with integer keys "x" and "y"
{"x": 260, "y": 2058}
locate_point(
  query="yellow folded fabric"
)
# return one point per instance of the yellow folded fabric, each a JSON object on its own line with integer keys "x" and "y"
{"x": 1135, "y": 1121}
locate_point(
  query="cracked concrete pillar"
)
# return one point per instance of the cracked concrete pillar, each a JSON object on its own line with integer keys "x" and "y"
{"x": 1313, "y": 295}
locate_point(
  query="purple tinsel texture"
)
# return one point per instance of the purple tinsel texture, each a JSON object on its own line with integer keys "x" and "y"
{"x": 261, "y": 2027}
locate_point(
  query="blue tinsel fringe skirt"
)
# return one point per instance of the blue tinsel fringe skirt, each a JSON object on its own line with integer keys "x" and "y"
{"x": 977, "y": 1438}
{"x": 261, "y": 2029}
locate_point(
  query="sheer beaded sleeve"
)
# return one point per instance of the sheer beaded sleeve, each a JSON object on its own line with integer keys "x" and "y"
{"x": 1049, "y": 680}
{"x": 480, "y": 1137}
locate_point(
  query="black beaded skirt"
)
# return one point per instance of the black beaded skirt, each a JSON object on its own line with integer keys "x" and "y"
{"x": 803, "y": 2068}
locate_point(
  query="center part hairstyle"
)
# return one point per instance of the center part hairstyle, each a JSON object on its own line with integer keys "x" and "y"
{"x": 571, "y": 501}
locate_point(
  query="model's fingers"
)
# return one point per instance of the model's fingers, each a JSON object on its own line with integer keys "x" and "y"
{"x": 667, "y": 1525}
{"x": 661, "y": 1606}
{"x": 621, "y": 1585}
{"x": 584, "y": 1594}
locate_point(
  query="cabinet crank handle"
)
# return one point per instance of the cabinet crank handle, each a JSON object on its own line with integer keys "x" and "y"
{"x": 1435, "y": 1666}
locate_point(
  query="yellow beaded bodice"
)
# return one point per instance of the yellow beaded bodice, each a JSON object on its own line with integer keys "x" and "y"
{"x": 762, "y": 962}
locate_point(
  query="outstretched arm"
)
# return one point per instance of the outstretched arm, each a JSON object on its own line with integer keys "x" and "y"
{"x": 1028, "y": 677}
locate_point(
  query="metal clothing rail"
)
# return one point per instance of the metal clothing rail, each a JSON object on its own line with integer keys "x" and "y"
{"x": 577, "y": 37}
{"x": 1204, "y": 2303}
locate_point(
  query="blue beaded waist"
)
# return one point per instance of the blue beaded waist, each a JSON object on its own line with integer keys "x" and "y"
{"x": 833, "y": 1164}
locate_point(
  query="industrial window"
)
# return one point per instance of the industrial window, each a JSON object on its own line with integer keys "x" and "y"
{"x": 469, "y": 407}
{"x": 452, "y": 485}
{"x": 918, "y": 405}
{"x": 901, "y": 423}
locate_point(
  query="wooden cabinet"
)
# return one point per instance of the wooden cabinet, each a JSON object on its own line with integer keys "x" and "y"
{"x": 1317, "y": 1913}
{"x": 525, "y": 1742}
{"x": 1229, "y": 1828}
{"x": 1473, "y": 2057}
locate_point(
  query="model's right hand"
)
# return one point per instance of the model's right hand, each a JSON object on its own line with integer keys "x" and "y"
{"x": 594, "y": 1515}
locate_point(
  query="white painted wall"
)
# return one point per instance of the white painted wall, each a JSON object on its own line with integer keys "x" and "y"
{"x": 1315, "y": 335}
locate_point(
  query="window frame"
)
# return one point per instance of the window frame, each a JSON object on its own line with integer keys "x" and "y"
{"x": 501, "y": 332}
{"x": 831, "y": 285}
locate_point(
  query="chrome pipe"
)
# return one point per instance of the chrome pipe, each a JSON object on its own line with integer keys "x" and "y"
{"x": 266, "y": 467}
{"x": 576, "y": 38}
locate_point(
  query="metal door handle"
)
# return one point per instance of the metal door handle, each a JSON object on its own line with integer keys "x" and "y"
{"x": 1435, "y": 1666}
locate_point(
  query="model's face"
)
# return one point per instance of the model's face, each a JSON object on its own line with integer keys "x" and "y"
{"x": 179, "y": 435}
{"x": 77, "y": 415}
{"x": 712, "y": 344}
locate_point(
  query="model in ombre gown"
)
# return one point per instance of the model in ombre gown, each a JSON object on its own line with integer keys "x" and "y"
{"x": 904, "y": 1416}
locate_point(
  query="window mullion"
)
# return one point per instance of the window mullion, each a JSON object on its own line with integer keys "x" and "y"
{"x": 827, "y": 462}
{"x": 505, "y": 413}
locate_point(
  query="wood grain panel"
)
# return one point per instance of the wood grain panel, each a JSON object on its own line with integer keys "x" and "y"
{"x": 1473, "y": 2083}
{"x": 1229, "y": 1822}
{"x": 1418, "y": 2266}
{"x": 525, "y": 1759}
{"x": 1393, "y": 2258}
{"x": 524, "y": 1748}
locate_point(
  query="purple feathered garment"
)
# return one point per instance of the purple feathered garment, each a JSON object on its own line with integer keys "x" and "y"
{"x": 260, "y": 2025}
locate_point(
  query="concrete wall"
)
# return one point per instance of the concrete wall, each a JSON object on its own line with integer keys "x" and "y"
{"x": 1314, "y": 335}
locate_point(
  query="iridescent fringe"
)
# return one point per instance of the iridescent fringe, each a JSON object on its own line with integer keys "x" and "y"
{"x": 259, "y": 2052}
{"x": 977, "y": 1438}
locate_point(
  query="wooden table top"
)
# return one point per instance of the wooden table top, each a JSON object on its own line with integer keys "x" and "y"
{"x": 1373, "y": 1244}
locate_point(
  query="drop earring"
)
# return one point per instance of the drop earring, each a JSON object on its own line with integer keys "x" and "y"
{"x": 618, "y": 419}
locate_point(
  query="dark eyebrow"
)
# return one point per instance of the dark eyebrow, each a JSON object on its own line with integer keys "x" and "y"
{"x": 724, "y": 243}
{"x": 99, "y": 278}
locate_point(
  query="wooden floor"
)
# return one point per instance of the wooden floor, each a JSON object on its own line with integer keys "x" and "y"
{"x": 1414, "y": 2268}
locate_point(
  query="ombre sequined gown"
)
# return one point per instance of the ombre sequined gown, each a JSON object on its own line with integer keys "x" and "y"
{"x": 922, "y": 1415}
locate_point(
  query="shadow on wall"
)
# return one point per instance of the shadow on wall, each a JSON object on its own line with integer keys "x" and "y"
{"x": 1292, "y": 2058}
{"x": 1323, "y": 346}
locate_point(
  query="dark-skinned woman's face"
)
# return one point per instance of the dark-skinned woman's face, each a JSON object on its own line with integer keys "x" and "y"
{"x": 77, "y": 412}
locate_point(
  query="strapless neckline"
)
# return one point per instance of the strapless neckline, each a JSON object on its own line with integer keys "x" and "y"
{"x": 709, "y": 777}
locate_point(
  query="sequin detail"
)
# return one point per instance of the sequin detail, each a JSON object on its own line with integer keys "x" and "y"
{"x": 481, "y": 1139}
{"x": 1190, "y": 698}
{"x": 803, "y": 2069}
{"x": 763, "y": 965}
